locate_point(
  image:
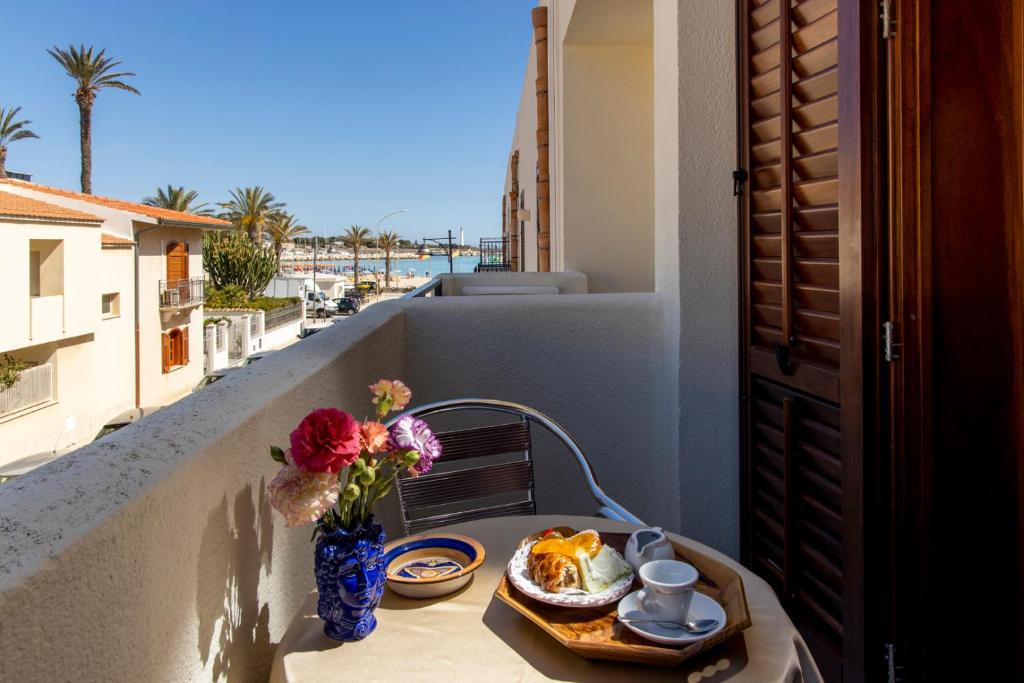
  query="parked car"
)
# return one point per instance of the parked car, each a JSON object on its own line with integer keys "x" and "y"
{"x": 215, "y": 376}
{"x": 119, "y": 422}
{"x": 367, "y": 286}
{"x": 255, "y": 357}
{"x": 317, "y": 303}
{"x": 347, "y": 305}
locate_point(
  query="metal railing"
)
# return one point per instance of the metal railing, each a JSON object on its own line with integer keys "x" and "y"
{"x": 282, "y": 316}
{"x": 34, "y": 386}
{"x": 432, "y": 288}
{"x": 182, "y": 293}
{"x": 254, "y": 325}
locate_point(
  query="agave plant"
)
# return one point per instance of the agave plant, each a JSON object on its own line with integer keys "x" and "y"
{"x": 282, "y": 227}
{"x": 249, "y": 209}
{"x": 11, "y": 131}
{"x": 355, "y": 237}
{"x": 234, "y": 259}
{"x": 178, "y": 199}
{"x": 92, "y": 72}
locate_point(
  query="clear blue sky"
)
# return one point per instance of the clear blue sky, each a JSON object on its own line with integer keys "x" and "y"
{"x": 344, "y": 110}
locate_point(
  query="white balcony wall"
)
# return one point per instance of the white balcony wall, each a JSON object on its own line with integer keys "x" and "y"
{"x": 161, "y": 537}
{"x": 47, "y": 315}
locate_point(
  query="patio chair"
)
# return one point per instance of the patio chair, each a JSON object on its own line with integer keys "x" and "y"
{"x": 427, "y": 501}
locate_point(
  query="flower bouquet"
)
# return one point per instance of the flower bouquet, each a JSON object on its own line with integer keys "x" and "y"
{"x": 335, "y": 471}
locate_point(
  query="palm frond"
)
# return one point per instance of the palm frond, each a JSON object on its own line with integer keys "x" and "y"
{"x": 11, "y": 130}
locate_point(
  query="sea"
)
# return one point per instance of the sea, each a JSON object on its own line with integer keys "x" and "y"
{"x": 424, "y": 268}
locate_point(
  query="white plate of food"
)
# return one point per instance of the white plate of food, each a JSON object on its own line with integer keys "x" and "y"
{"x": 577, "y": 570}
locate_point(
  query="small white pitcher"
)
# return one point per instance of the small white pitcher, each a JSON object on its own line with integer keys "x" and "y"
{"x": 645, "y": 545}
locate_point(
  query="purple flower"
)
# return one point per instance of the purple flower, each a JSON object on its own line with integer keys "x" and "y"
{"x": 413, "y": 434}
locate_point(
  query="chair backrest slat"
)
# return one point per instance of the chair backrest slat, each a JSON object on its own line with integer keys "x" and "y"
{"x": 483, "y": 441}
{"x": 467, "y": 484}
{"x": 525, "y": 507}
{"x": 433, "y": 500}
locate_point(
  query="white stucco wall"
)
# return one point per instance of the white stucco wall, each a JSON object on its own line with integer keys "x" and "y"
{"x": 708, "y": 272}
{"x": 161, "y": 538}
{"x": 527, "y": 349}
{"x": 524, "y": 140}
{"x": 607, "y": 172}
{"x": 153, "y": 554}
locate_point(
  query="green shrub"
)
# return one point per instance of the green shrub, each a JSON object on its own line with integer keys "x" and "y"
{"x": 10, "y": 371}
{"x": 229, "y": 296}
{"x": 270, "y": 303}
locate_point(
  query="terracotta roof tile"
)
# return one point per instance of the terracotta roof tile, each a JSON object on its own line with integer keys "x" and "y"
{"x": 113, "y": 240}
{"x": 16, "y": 206}
{"x": 151, "y": 211}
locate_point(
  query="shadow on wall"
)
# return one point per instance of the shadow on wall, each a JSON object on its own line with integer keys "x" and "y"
{"x": 227, "y": 598}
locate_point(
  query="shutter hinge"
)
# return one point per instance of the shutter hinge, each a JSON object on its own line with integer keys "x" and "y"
{"x": 739, "y": 176}
{"x": 893, "y": 671}
{"x": 890, "y": 347}
{"x": 888, "y": 20}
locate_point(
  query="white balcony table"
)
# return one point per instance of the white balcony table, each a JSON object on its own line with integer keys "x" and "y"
{"x": 472, "y": 636}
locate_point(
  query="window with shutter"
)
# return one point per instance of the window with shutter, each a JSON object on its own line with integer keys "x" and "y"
{"x": 798, "y": 532}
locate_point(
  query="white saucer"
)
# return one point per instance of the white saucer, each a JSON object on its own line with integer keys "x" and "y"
{"x": 702, "y": 607}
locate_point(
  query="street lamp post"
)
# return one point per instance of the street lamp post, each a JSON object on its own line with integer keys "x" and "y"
{"x": 439, "y": 241}
{"x": 377, "y": 229}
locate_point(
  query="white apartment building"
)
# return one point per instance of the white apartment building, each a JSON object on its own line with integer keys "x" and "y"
{"x": 105, "y": 303}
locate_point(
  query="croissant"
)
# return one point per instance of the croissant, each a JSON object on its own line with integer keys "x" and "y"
{"x": 554, "y": 571}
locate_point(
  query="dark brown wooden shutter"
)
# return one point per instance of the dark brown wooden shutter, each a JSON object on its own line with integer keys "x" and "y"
{"x": 165, "y": 352}
{"x": 184, "y": 345}
{"x": 797, "y": 476}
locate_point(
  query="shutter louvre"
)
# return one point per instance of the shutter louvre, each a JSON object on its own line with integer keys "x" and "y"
{"x": 184, "y": 345}
{"x": 794, "y": 517}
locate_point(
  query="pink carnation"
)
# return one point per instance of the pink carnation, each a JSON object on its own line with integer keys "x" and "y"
{"x": 326, "y": 440}
{"x": 302, "y": 497}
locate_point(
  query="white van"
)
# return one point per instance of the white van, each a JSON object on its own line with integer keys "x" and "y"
{"x": 317, "y": 303}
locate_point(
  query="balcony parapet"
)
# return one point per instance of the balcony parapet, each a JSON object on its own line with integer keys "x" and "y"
{"x": 170, "y": 515}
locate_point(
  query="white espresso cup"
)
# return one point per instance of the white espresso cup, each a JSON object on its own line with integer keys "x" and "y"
{"x": 668, "y": 589}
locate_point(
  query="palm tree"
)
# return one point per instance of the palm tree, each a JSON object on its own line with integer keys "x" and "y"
{"x": 178, "y": 199}
{"x": 92, "y": 72}
{"x": 282, "y": 228}
{"x": 388, "y": 241}
{"x": 355, "y": 237}
{"x": 249, "y": 209}
{"x": 11, "y": 131}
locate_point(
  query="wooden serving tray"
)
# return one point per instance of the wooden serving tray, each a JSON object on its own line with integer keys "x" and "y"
{"x": 594, "y": 633}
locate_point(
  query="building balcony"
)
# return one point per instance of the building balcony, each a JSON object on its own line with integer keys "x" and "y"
{"x": 178, "y": 294}
{"x": 33, "y": 388}
{"x": 169, "y": 520}
{"x": 46, "y": 315}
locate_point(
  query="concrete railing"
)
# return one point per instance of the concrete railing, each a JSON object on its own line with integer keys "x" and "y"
{"x": 160, "y": 538}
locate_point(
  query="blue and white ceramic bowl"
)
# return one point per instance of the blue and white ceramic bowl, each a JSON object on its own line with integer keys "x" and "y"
{"x": 430, "y": 565}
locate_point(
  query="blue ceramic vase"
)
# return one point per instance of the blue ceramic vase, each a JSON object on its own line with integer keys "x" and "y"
{"x": 350, "y": 577}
